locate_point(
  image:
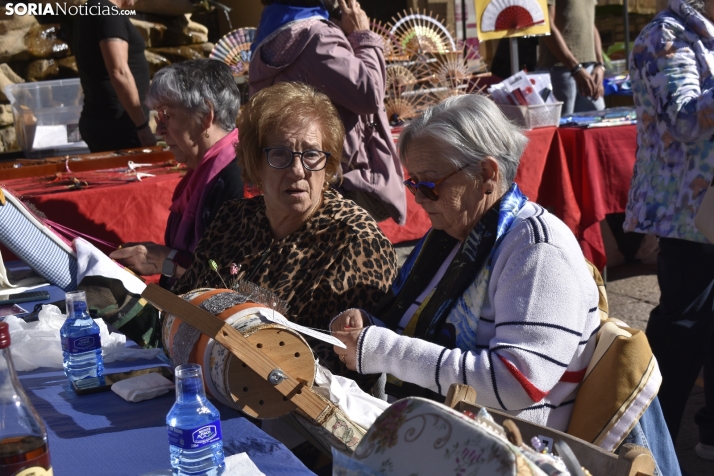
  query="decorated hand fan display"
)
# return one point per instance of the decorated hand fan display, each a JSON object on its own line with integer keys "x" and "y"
{"x": 424, "y": 65}
{"x": 456, "y": 73}
{"x": 409, "y": 90}
{"x": 419, "y": 33}
{"x": 511, "y": 15}
{"x": 400, "y": 78}
{"x": 511, "y": 18}
{"x": 234, "y": 49}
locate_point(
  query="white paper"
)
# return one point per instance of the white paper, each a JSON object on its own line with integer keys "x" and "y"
{"x": 50, "y": 136}
{"x": 278, "y": 318}
{"x": 241, "y": 465}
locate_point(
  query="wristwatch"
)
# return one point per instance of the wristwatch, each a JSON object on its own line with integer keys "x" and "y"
{"x": 168, "y": 268}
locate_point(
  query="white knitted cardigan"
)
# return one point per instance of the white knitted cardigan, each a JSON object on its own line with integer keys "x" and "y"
{"x": 535, "y": 334}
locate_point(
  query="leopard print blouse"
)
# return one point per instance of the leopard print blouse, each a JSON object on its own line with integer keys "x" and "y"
{"x": 338, "y": 260}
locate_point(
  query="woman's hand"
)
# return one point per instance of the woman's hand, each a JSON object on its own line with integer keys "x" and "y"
{"x": 353, "y": 17}
{"x": 348, "y": 355}
{"x": 144, "y": 259}
{"x": 347, "y": 327}
{"x": 349, "y": 320}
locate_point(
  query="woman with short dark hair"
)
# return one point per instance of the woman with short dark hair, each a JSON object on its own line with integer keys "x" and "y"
{"x": 197, "y": 103}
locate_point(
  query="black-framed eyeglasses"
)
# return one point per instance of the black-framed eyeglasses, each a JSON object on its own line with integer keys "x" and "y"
{"x": 282, "y": 158}
{"x": 428, "y": 189}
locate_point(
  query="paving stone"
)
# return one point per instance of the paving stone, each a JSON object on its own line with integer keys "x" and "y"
{"x": 632, "y": 311}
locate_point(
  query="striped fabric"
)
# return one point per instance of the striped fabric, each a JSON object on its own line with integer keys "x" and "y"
{"x": 533, "y": 338}
{"x": 38, "y": 246}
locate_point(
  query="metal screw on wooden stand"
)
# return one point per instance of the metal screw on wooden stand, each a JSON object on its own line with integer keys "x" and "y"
{"x": 276, "y": 376}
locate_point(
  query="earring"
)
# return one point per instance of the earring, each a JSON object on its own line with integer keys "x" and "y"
{"x": 205, "y": 134}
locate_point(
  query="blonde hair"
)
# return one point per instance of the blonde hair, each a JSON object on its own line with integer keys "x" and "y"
{"x": 298, "y": 104}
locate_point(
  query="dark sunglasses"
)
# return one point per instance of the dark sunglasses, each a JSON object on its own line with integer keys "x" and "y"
{"x": 428, "y": 189}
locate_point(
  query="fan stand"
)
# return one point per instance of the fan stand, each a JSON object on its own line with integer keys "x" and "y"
{"x": 515, "y": 61}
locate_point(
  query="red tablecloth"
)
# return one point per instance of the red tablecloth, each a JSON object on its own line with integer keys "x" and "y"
{"x": 601, "y": 162}
{"x": 579, "y": 174}
{"x": 543, "y": 158}
{"x": 135, "y": 211}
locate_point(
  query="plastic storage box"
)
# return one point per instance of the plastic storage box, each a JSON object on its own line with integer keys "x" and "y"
{"x": 46, "y": 115}
{"x": 616, "y": 67}
{"x": 532, "y": 117}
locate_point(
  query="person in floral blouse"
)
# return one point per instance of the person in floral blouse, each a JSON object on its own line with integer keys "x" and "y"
{"x": 671, "y": 68}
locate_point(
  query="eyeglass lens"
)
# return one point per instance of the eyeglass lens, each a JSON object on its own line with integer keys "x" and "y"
{"x": 162, "y": 117}
{"x": 427, "y": 191}
{"x": 282, "y": 158}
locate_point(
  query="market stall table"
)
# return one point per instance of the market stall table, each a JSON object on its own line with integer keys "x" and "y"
{"x": 103, "y": 434}
{"x": 601, "y": 162}
{"x": 579, "y": 174}
{"x": 91, "y": 194}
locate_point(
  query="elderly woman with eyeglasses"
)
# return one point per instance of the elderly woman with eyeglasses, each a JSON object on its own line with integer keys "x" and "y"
{"x": 197, "y": 103}
{"x": 300, "y": 239}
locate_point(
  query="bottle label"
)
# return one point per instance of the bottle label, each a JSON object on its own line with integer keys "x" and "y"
{"x": 77, "y": 345}
{"x": 194, "y": 438}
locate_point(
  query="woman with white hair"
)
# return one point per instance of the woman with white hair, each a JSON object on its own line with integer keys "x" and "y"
{"x": 497, "y": 295}
{"x": 197, "y": 103}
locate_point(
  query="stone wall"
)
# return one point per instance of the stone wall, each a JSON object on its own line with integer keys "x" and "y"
{"x": 39, "y": 48}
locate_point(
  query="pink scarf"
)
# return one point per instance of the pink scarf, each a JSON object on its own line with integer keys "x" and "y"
{"x": 192, "y": 190}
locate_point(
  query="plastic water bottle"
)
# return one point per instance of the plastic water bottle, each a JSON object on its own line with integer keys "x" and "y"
{"x": 194, "y": 427}
{"x": 81, "y": 344}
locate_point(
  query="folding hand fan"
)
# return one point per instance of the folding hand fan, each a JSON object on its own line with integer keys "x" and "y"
{"x": 419, "y": 33}
{"x": 409, "y": 90}
{"x": 454, "y": 73}
{"x": 400, "y": 79}
{"x": 511, "y": 15}
{"x": 234, "y": 49}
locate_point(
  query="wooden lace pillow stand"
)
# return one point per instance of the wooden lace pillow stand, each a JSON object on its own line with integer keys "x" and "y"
{"x": 327, "y": 422}
{"x": 632, "y": 460}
